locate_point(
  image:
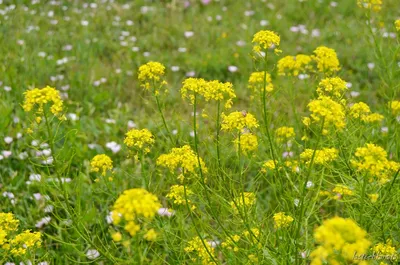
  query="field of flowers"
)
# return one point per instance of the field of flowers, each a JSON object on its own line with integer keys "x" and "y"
{"x": 200, "y": 132}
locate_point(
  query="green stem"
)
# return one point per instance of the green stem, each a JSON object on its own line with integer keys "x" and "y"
{"x": 363, "y": 199}
{"x": 217, "y": 137}
{"x": 163, "y": 119}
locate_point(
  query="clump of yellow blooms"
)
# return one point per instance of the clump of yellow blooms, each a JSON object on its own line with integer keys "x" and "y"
{"x": 372, "y": 160}
{"x": 210, "y": 90}
{"x": 374, "y": 5}
{"x": 334, "y": 86}
{"x": 397, "y": 24}
{"x": 338, "y": 240}
{"x": 266, "y": 39}
{"x": 256, "y": 82}
{"x": 373, "y": 197}
{"x": 141, "y": 140}
{"x": 150, "y": 235}
{"x": 134, "y": 206}
{"x": 321, "y": 157}
{"x": 16, "y": 244}
{"x": 151, "y": 74}
{"x": 327, "y": 110}
{"x": 362, "y": 111}
{"x": 395, "y": 106}
{"x": 243, "y": 201}
{"x": 284, "y": 134}
{"x": 281, "y": 220}
{"x": 101, "y": 163}
{"x": 238, "y": 121}
{"x": 269, "y": 164}
{"x": 37, "y": 98}
{"x": 200, "y": 252}
{"x": 326, "y": 59}
{"x": 183, "y": 159}
{"x": 294, "y": 65}
{"x": 177, "y": 194}
{"x": 248, "y": 143}
{"x": 385, "y": 249}
{"x": 342, "y": 190}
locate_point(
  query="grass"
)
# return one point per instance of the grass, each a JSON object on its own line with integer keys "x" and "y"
{"x": 91, "y": 53}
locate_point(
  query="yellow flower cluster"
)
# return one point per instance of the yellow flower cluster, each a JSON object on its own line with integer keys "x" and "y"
{"x": 373, "y": 197}
{"x": 341, "y": 190}
{"x": 281, "y": 220}
{"x": 385, "y": 249}
{"x": 362, "y": 111}
{"x": 210, "y": 90}
{"x": 243, "y": 201}
{"x": 39, "y": 97}
{"x": 101, "y": 163}
{"x": 231, "y": 243}
{"x": 326, "y": 59}
{"x": 338, "y": 240}
{"x": 372, "y": 160}
{"x": 269, "y": 164}
{"x": 395, "y": 106}
{"x": 151, "y": 74}
{"x": 132, "y": 205}
{"x": 18, "y": 244}
{"x": 177, "y": 194}
{"x": 284, "y": 134}
{"x": 397, "y": 24}
{"x": 321, "y": 157}
{"x": 183, "y": 159}
{"x": 334, "y": 86}
{"x": 238, "y": 121}
{"x": 266, "y": 39}
{"x": 248, "y": 143}
{"x": 200, "y": 252}
{"x": 327, "y": 110}
{"x": 256, "y": 82}
{"x": 374, "y": 5}
{"x": 294, "y": 65}
{"x": 139, "y": 139}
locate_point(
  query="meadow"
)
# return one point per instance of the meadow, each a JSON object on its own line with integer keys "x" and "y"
{"x": 200, "y": 132}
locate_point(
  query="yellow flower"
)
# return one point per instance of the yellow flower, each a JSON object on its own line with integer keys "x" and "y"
{"x": 269, "y": 164}
{"x": 372, "y": 160}
{"x": 338, "y": 240}
{"x": 362, "y": 111}
{"x": 150, "y": 235}
{"x": 184, "y": 159}
{"x": 397, "y": 24}
{"x": 342, "y": 190}
{"x": 151, "y": 74}
{"x": 177, "y": 194}
{"x": 248, "y": 143}
{"x": 374, "y": 5}
{"x": 201, "y": 252}
{"x": 8, "y": 222}
{"x": 231, "y": 243}
{"x": 133, "y": 206}
{"x": 238, "y": 121}
{"x": 117, "y": 236}
{"x": 326, "y": 59}
{"x": 395, "y": 106}
{"x": 284, "y": 134}
{"x": 38, "y": 98}
{"x": 210, "y": 90}
{"x": 139, "y": 139}
{"x": 281, "y": 220}
{"x": 321, "y": 157}
{"x": 266, "y": 39}
{"x": 294, "y": 65}
{"x": 243, "y": 201}
{"x": 385, "y": 249}
{"x": 373, "y": 197}
{"x": 101, "y": 163}
{"x": 332, "y": 86}
{"x": 256, "y": 82}
{"x": 327, "y": 110}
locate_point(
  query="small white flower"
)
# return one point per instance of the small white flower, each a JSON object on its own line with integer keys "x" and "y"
{"x": 309, "y": 184}
{"x": 35, "y": 177}
{"x": 46, "y": 152}
{"x": 48, "y": 161}
{"x": 131, "y": 124}
{"x": 296, "y": 202}
{"x": 84, "y": 23}
{"x": 214, "y": 243}
{"x": 135, "y": 49}
{"x": 92, "y": 254}
{"x": 354, "y": 94}
{"x": 264, "y": 23}
{"x": 9, "y": 195}
{"x": 175, "y": 132}
{"x": 146, "y": 54}
{"x": 113, "y": 146}
{"x": 72, "y": 116}
{"x": 19, "y": 135}
{"x": 48, "y": 208}
{"x": 7, "y": 88}
{"x": 8, "y": 140}
{"x": 189, "y": 34}
{"x": 191, "y": 74}
{"x": 6, "y": 153}
{"x": 109, "y": 218}
{"x": 315, "y": 33}
{"x": 240, "y": 43}
{"x": 191, "y": 134}
{"x": 182, "y": 49}
{"x": 110, "y": 121}
{"x": 384, "y": 129}
{"x": 44, "y": 221}
{"x": 334, "y": 4}
{"x": 165, "y": 212}
{"x": 232, "y": 68}
{"x": 174, "y": 68}
{"x": 37, "y": 196}
{"x": 371, "y": 66}
{"x": 23, "y": 155}
{"x": 92, "y": 146}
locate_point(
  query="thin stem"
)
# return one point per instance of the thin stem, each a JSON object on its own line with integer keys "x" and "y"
{"x": 163, "y": 119}
{"x": 217, "y": 137}
{"x": 363, "y": 199}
